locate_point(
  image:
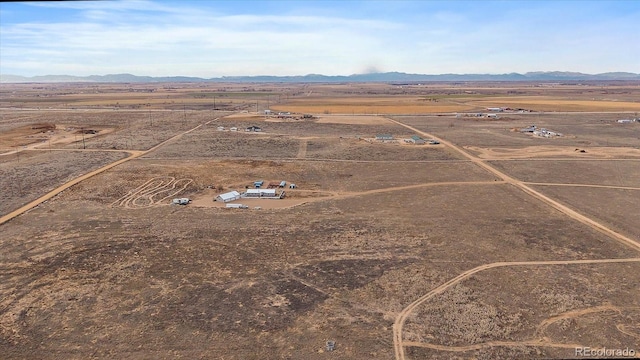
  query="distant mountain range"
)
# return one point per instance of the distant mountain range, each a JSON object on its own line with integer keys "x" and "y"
{"x": 389, "y": 77}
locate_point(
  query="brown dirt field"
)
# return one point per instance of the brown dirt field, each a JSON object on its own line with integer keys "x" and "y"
{"x": 580, "y": 130}
{"x": 284, "y": 141}
{"x": 31, "y": 136}
{"x": 205, "y": 200}
{"x": 545, "y": 103}
{"x": 358, "y": 120}
{"x": 315, "y": 176}
{"x": 612, "y": 173}
{"x": 549, "y": 151}
{"x": 361, "y": 150}
{"x": 133, "y": 130}
{"x": 113, "y": 282}
{"x": 373, "y": 105}
{"x": 617, "y": 207}
{"x": 367, "y": 232}
{"x": 38, "y": 172}
{"x": 537, "y": 310}
{"x": 307, "y": 128}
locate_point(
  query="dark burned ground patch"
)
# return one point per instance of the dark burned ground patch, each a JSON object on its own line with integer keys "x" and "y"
{"x": 347, "y": 274}
{"x": 261, "y": 305}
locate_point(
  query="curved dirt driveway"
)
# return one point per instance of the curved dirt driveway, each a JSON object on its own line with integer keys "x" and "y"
{"x": 402, "y": 316}
{"x": 399, "y": 345}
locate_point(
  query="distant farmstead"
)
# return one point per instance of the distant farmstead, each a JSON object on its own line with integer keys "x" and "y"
{"x": 384, "y": 137}
{"x": 253, "y": 129}
{"x": 415, "y": 139}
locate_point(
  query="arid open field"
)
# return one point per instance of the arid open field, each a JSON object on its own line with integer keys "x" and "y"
{"x": 490, "y": 244}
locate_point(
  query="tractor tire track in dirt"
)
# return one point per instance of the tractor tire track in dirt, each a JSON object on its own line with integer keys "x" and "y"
{"x": 63, "y": 187}
{"x": 143, "y": 195}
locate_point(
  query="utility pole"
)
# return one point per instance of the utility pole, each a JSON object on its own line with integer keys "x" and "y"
{"x": 84, "y": 146}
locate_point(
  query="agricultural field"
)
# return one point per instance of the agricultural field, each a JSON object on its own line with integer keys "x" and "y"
{"x": 491, "y": 244}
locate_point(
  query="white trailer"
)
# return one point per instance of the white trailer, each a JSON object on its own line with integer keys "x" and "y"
{"x": 236, "y": 206}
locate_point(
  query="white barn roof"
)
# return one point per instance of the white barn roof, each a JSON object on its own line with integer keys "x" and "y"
{"x": 261, "y": 191}
{"x": 234, "y": 195}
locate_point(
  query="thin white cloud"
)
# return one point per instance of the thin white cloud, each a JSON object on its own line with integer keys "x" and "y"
{"x": 156, "y": 38}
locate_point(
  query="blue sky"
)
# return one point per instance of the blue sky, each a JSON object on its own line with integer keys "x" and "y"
{"x": 229, "y": 38}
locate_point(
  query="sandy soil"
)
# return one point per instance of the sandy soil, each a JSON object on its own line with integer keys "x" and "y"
{"x": 350, "y": 119}
{"x": 370, "y": 231}
{"x": 543, "y": 151}
{"x": 205, "y": 198}
{"x": 25, "y": 137}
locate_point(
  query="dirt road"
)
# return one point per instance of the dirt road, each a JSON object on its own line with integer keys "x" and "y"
{"x": 63, "y": 187}
{"x": 524, "y": 187}
{"x": 402, "y": 316}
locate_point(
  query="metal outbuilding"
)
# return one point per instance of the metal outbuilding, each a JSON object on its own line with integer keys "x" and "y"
{"x": 260, "y": 193}
{"x": 227, "y": 197}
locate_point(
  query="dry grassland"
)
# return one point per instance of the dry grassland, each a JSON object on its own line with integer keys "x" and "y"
{"x": 34, "y": 173}
{"x": 618, "y": 208}
{"x": 538, "y": 311}
{"x": 281, "y": 283}
{"x": 550, "y": 151}
{"x": 605, "y": 173}
{"x": 358, "y": 120}
{"x": 375, "y": 105}
{"x": 580, "y": 130}
{"x": 95, "y": 273}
